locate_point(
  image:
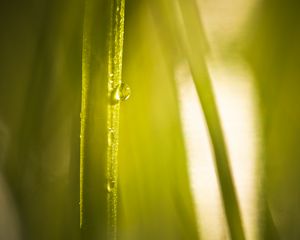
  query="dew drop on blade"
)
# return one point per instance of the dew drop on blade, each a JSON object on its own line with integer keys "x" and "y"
{"x": 110, "y": 185}
{"x": 121, "y": 93}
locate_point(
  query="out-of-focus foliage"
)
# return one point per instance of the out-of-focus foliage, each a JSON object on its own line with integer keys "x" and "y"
{"x": 40, "y": 97}
{"x": 40, "y": 104}
{"x": 155, "y": 195}
{"x": 273, "y": 53}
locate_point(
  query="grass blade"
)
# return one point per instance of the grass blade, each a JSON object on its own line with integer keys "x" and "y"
{"x": 100, "y": 77}
{"x": 187, "y": 28}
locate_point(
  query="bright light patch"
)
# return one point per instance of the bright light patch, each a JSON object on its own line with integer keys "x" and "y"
{"x": 237, "y": 107}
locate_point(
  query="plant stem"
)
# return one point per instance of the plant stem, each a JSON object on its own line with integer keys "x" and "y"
{"x": 102, "y": 54}
{"x": 184, "y": 23}
{"x": 83, "y": 117}
{"x": 116, "y": 39}
{"x": 194, "y": 53}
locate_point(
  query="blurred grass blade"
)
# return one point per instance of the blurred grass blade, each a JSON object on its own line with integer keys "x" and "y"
{"x": 273, "y": 53}
{"x": 194, "y": 53}
{"x": 156, "y": 201}
{"x": 188, "y": 31}
{"x": 39, "y": 167}
{"x": 93, "y": 194}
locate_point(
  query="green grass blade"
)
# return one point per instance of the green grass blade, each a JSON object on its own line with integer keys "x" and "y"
{"x": 115, "y": 57}
{"x": 194, "y": 53}
{"x": 93, "y": 143}
{"x": 101, "y": 75}
{"x": 183, "y": 16}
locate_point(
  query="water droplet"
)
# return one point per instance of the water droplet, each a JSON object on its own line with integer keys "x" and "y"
{"x": 121, "y": 93}
{"x": 111, "y": 185}
{"x": 111, "y": 74}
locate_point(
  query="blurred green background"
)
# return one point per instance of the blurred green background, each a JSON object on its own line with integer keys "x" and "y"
{"x": 40, "y": 99}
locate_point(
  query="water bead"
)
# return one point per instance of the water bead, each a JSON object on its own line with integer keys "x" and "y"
{"x": 110, "y": 185}
{"x": 121, "y": 93}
